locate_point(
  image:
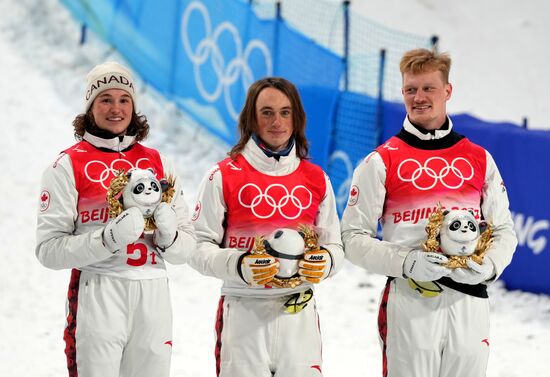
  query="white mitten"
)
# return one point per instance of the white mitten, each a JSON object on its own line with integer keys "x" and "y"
{"x": 425, "y": 266}
{"x": 475, "y": 274}
{"x": 315, "y": 266}
{"x": 258, "y": 269}
{"x": 123, "y": 230}
{"x": 167, "y": 226}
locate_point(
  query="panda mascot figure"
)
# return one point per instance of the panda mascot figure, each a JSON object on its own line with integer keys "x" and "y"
{"x": 290, "y": 247}
{"x": 459, "y": 233}
{"x": 287, "y": 245}
{"x": 143, "y": 191}
{"x": 139, "y": 188}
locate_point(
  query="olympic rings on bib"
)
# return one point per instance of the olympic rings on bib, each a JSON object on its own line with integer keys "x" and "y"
{"x": 451, "y": 175}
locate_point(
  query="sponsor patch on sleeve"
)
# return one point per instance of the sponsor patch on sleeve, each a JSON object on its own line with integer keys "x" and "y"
{"x": 197, "y": 211}
{"x": 44, "y": 200}
{"x": 353, "y": 195}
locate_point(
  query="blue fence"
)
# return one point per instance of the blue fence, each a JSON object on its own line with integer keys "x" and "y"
{"x": 203, "y": 55}
{"x": 207, "y": 53}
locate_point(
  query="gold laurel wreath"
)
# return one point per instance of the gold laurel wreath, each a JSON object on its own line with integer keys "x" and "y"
{"x": 311, "y": 243}
{"x": 117, "y": 185}
{"x": 431, "y": 244}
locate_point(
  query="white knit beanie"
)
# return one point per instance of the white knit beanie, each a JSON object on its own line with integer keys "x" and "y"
{"x": 109, "y": 75}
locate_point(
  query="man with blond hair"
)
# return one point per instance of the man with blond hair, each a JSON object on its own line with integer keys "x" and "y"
{"x": 433, "y": 320}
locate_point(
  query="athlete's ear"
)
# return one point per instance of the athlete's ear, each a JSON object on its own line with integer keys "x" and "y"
{"x": 449, "y": 91}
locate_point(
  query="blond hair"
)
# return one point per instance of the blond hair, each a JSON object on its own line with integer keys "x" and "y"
{"x": 423, "y": 60}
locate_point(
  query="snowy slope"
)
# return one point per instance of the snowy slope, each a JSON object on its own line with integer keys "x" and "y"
{"x": 43, "y": 77}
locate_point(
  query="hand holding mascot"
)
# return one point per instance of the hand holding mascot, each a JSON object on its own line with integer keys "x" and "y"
{"x": 141, "y": 189}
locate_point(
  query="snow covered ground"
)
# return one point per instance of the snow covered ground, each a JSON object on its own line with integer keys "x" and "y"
{"x": 42, "y": 80}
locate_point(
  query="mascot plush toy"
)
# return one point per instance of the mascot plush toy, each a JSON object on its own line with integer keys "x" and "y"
{"x": 459, "y": 233}
{"x": 297, "y": 254}
{"x": 287, "y": 245}
{"x": 143, "y": 191}
{"x": 139, "y": 188}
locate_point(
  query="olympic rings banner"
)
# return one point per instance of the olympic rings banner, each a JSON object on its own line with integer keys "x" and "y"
{"x": 225, "y": 48}
{"x": 205, "y": 54}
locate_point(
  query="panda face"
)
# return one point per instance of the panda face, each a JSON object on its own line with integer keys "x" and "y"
{"x": 464, "y": 228}
{"x": 142, "y": 191}
{"x": 459, "y": 233}
{"x": 146, "y": 188}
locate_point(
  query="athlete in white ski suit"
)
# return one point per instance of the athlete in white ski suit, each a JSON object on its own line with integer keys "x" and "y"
{"x": 253, "y": 194}
{"x": 119, "y": 316}
{"x": 441, "y": 334}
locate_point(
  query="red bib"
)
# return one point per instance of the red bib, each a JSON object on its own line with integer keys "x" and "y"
{"x": 258, "y": 203}
{"x": 94, "y": 169}
{"x": 418, "y": 179}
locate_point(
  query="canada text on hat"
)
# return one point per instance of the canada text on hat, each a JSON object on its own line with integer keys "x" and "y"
{"x": 109, "y": 75}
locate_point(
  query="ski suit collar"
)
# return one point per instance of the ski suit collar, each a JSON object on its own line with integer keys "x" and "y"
{"x": 116, "y": 144}
{"x": 268, "y": 152}
{"x": 270, "y": 165}
{"x": 430, "y": 135}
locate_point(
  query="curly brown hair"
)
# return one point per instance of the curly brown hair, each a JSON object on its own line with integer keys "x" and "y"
{"x": 247, "y": 119}
{"x": 85, "y": 122}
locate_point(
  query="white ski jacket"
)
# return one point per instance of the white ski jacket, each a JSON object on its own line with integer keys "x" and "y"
{"x": 213, "y": 259}
{"x": 368, "y": 204}
{"x": 69, "y": 237}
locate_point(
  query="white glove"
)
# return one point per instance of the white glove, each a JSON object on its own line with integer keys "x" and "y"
{"x": 315, "y": 266}
{"x": 425, "y": 266}
{"x": 475, "y": 274}
{"x": 123, "y": 230}
{"x": 258, "y": 269}
{"x": 167, "y": 226}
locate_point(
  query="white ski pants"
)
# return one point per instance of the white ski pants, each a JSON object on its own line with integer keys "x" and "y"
{"x": 256, "y": 338}
{"x": 442, "y": 336}
{"x": 118, "y": 327}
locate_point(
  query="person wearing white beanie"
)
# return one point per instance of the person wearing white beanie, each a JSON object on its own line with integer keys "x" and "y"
{"x": 109, "y": 84}
{"x": 119, "y": 317}
{"x": 109, "y": 75}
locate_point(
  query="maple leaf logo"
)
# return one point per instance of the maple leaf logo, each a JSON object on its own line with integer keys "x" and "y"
{"x": 353, "y": 195}
{"x": 44, "y": 200}
{"x": 197, "y": 212}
